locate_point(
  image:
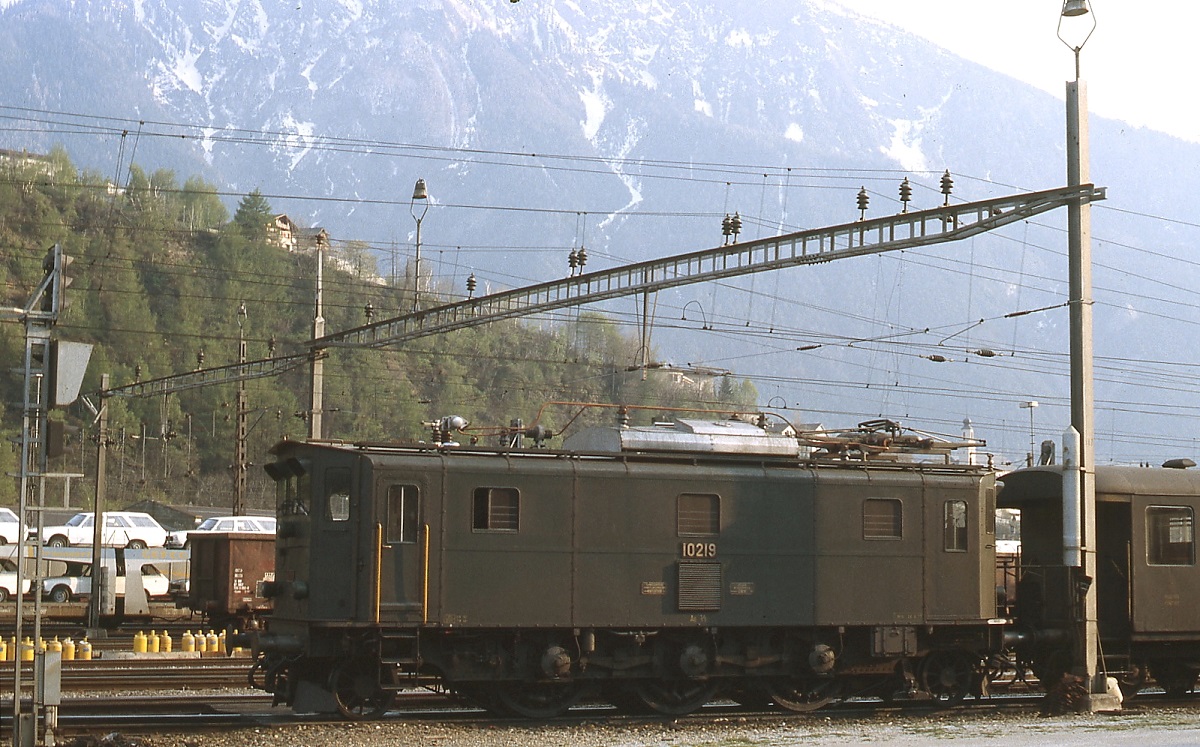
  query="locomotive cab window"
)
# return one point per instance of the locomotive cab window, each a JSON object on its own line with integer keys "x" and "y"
{"x": 698, "y": 515}
{"x": 337, "y": 495}
{"x": 1170, "y": 536}
{"x": 954, "y": 535}
{"x": 403, "y": 514}
{"x": 882, "y": 518}
{"x": 496, "y": 510}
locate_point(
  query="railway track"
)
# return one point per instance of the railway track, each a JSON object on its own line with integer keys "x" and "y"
{"x": 195, "y": 713}
{"x": 148, "y": 674}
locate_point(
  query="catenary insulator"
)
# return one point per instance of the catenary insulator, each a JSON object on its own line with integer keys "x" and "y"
{"x": 735, "y": 225}
{"x": 905, "y": 193}
{"x": 863, "y": 201}
{"x": 947, "y": 186}
{"x": 471, "y": 284}
{"x": 369, "y": 311}
{"x": 582, "y": 258}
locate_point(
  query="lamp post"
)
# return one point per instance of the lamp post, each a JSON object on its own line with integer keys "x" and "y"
{"x": 1031, "y": 405}
{"x": 239, "y": 458}
{"x": 1079, "y": 483}
{"x": 422, "y": 194}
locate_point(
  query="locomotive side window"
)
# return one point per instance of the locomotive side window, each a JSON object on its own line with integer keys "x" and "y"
{"x": 403, "y": 513}
{"x": 954, "y": 535}
{"x": 337, "y": 494}
{"x": 698, "y": 515}
{"x": 496, "y": 510}
{"x": 882, "y": 518}
{"x": 1170, "y": 539}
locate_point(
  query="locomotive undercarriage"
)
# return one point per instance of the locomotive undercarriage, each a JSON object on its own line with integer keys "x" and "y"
{"x": 542, "y": 673}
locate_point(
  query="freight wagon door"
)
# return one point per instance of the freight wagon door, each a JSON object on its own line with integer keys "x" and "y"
{"x": 403, "y": 546}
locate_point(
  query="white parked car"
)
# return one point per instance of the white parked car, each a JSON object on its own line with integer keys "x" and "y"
{"x": 10, "y": 527}
{"x": 121, "y": 529}
{"x": 251, "y": 524}
{"x": 8, "y": 580}
{"x": 66, "y": 588}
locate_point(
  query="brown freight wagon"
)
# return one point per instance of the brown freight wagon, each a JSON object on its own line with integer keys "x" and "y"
{"x": 228, "y": 571}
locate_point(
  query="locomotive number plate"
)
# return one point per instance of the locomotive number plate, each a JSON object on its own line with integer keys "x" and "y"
{"x": 698, "y": 549}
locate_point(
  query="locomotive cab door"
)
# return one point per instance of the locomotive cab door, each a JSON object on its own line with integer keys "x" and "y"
{"x": 403, "y": 542}
{"x": 960, "y": 559}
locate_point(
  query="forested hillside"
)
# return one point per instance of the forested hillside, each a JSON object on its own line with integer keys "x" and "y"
{"x": 161, "y": 270}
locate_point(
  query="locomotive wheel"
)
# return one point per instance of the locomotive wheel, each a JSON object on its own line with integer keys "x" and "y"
{"x": 625, "y": 699}
{"x": 1177, "y": 679}
{"x": 357, "y": 692}
{"x": 538, "y": 700}
{"x": 947, "y": 675}
{"x": 802, "y": 695}
{"x": 674, "y": 697}
{"x": 482, "y": 695}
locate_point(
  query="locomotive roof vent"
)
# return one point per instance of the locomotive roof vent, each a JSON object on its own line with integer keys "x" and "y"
{"x": 691, "y": 436}
{"x": 1179, "y": 463}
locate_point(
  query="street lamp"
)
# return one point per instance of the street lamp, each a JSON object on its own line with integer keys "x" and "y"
{"x": 1031, "y": 405}
{"x": 422, "y": 194}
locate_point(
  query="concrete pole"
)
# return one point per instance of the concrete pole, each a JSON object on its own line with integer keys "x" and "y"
{"x": 316, "y": 401}
{"x": 1079, "y": 239}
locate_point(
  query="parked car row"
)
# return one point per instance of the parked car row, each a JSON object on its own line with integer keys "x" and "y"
{"x": 132, "y": 529}
{"x": 76, "y": 582}
{"x": 67, "y": 587}
{"x": 246, "y": 524}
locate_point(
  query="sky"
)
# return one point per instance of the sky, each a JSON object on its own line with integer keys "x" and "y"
{"x": 1138, "y": 63}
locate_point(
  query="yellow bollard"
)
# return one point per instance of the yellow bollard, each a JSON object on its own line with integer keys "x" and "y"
{"x": 201, "y": 641}
{"x": 221, "y": 643}
{"x": 84, "y": 651}
{"x": 188, "y": 641}
{"x": 211, "y": 642}
{"x": 27, "y": 649}
{"x": 152, "y": 643}
{"x": 164, "y": 642}
{"x": 68, "y": 649}
{"x": 139, "y": 643}
{"x": 54, "y": 646}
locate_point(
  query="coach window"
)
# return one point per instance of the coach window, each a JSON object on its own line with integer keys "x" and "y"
{"x": 337, "y": 494}
{"x": 1170, "y": 539}
{"x": 954, "y": 535}
{"x": 882, "y": 518}
{"x": 496, "y": 510}
{"x": 698, "y": 515}
{"x": 403, "y": 513}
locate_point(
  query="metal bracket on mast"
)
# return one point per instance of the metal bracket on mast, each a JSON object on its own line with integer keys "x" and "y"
{"x": 873, "y": 236}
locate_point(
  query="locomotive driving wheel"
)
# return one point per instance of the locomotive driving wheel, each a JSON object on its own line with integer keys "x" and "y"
{"x": 537, "y": 700}
{"x": 947, "y": 675}
{"x": 674, "y": 697}
{"x": 802, "y": 694}
{"x": 357, "y": 692}
{"x": 1176, "y": 678}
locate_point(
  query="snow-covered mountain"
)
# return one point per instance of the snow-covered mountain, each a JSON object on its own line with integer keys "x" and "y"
{"x": 633, "y": 127}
